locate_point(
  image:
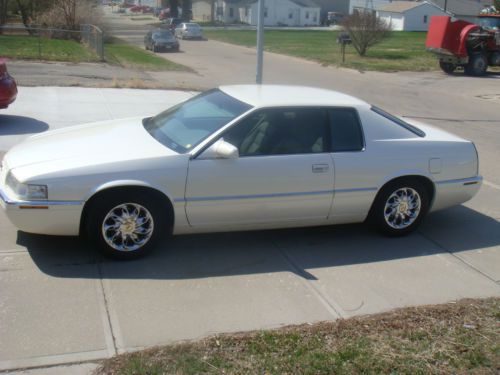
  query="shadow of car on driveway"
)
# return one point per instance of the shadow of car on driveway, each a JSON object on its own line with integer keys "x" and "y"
{"x": 12, "y": 125}
{"x": 244, "y": 253}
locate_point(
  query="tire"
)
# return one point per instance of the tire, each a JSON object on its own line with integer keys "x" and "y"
{"x": 130, "y": 238}
{"x": 155, "y": 49}
{"x": 400, "y": 219}
{"x": 446, "y": 67}
{"x": 477, "y": 65}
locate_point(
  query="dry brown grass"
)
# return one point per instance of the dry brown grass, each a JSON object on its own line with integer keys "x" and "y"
{"x": 453, "y": 338}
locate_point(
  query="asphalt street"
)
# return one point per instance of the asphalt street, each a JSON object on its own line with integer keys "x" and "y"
{"x": 62, "y": 303}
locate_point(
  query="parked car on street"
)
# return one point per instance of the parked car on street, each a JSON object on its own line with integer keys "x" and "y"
{"x": 161, "y": 40}
{"x": 164, "y": 14}
{"x": 189, "y": 30}
{"x": 8, "y": 86}
{"x": 236, "y": 158}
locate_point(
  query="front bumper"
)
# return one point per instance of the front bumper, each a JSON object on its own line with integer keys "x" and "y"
{"x": 454, "y": 192}
{"x": 43, "y": 217}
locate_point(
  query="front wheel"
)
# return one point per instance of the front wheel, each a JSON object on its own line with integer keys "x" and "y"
{"x": 125, "y": 227}
{"x": 447, "y": 67}
{"x": 400, "y": 207}
{"x": 477, "y": 65}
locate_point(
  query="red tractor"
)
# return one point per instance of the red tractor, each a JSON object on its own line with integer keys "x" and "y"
{"x": 464, "y": 44}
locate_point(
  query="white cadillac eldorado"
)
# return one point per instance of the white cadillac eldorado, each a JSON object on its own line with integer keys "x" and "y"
{"x": 236, "y": 158}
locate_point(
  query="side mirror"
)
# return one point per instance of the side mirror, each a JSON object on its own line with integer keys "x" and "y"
{"x": 220, "y": 150}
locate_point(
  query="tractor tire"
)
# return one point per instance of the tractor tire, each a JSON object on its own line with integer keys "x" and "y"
{"x": 446, "y": 67}
{"x": 478, "y": 63}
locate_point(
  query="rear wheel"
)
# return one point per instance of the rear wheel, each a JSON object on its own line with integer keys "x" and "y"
{"x": 126, "y": 225}
{"x": 400, "y": 207}
{"x": 447, "y": 67}
{"x": 477, "y": 65}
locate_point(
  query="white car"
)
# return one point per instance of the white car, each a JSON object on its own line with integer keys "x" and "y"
{"x": 189, "y": 30}
{"x": 236, "y": 158}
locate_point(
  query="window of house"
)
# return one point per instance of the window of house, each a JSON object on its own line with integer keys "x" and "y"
{"x": 315, "y": 17}
{"x": 425, "y": 18}
{"x": 246, "y": 12}
{"x": 290, "y": 15}
{"x": 307, "y": 15}
{"x": 346, "y": 133}
{"x": 231, "y": 12}
{"x": 265, "y": 12}
{"x": 281, "y": 131}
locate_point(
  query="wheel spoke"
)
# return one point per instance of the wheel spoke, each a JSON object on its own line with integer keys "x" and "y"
{"x": 127, "y": 227}
{"x": 402, "y": 208}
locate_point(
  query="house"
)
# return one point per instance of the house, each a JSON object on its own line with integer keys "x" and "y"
{"x": 204, "y": 10}
{"x": 466, "y": 10}
{"x": 409, "y": 15}
{"x": 276, "y": 12}
{"x": 337, "y": 6}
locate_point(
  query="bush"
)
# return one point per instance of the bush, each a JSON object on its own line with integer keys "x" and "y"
{"x": 365, "y": 30}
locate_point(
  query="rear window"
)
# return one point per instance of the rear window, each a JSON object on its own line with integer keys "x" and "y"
{"x": 398, "y": 121}
{"x": 346, "y": 133}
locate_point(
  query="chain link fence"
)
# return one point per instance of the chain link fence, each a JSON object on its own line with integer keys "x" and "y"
{"x": 93, "y": 37}
{"x": 42, "y": 44}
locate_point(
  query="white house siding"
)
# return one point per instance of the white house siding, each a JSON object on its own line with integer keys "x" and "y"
{"x": 201, "y": 11}
{"x": 371, "y": 4}
{"x": 282, "y": 12}
{"x": 418, "y": 18}
{"x": 396, "y": 20}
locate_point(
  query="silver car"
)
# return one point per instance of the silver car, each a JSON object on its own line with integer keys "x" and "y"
{"x": 189, "y": 31}
{"x": 236, "y": 158}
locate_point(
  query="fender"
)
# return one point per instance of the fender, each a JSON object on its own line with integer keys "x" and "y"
{"x": 127, "y": 183}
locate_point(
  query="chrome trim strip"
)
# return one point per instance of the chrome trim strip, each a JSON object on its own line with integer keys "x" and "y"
{"x": 256, "y": 196}
{"x": 12, "y": 202}
{"x": 275, "y": 195}
{"x": 469, "y": 180}
{"x": 355, "y": 190}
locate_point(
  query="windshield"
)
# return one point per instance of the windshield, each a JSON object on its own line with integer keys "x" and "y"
{"x": 162, "y": 35}
{"x": 492, "y": 23}
{"x": 192, "y": 26}
{"x": 185, "y": 125}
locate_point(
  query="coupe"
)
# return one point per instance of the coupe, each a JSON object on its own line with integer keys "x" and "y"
{"x": 236, "y": 158}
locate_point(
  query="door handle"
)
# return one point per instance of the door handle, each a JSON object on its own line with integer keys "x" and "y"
{"x": 320, "y": 168}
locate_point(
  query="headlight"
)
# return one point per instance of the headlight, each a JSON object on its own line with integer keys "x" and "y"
{"x": 26, "y": 191}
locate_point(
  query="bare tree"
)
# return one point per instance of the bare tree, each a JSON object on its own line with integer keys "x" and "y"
{"x": 68, "y": 8}
{"x": 3, "y": 13}
{"x": 365, "y": 30}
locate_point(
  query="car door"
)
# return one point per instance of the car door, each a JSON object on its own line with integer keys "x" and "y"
{"x": 284, "y": 172}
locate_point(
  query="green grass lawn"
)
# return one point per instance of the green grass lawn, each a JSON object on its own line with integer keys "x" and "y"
{"x": 120, "y": 53}
{"x": 116, "y": 52}
{"x": 33, "y": 48}
{"x": 401, "y": 51}
{"x": 453, "y": 338}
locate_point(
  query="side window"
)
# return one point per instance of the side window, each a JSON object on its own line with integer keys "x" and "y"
{"x": 281, "y": 131}
{"x": 346, "y": 133}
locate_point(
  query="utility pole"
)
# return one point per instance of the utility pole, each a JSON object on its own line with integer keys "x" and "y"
{"x": 260, "y": 42}
{"x": 445, "y": 4}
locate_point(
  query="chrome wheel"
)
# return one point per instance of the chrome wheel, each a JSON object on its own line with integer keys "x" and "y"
{"x": 402, "y": 208}
{"x": 127, "y": 227}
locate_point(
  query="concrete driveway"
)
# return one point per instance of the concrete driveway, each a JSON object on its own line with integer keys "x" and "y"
{"x": 62, "y": 303}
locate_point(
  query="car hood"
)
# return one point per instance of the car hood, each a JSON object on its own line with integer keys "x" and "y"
{"x": 86, "y": 145}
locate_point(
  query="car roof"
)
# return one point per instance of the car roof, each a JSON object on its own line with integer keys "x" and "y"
{"x": 283, "y": 96}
